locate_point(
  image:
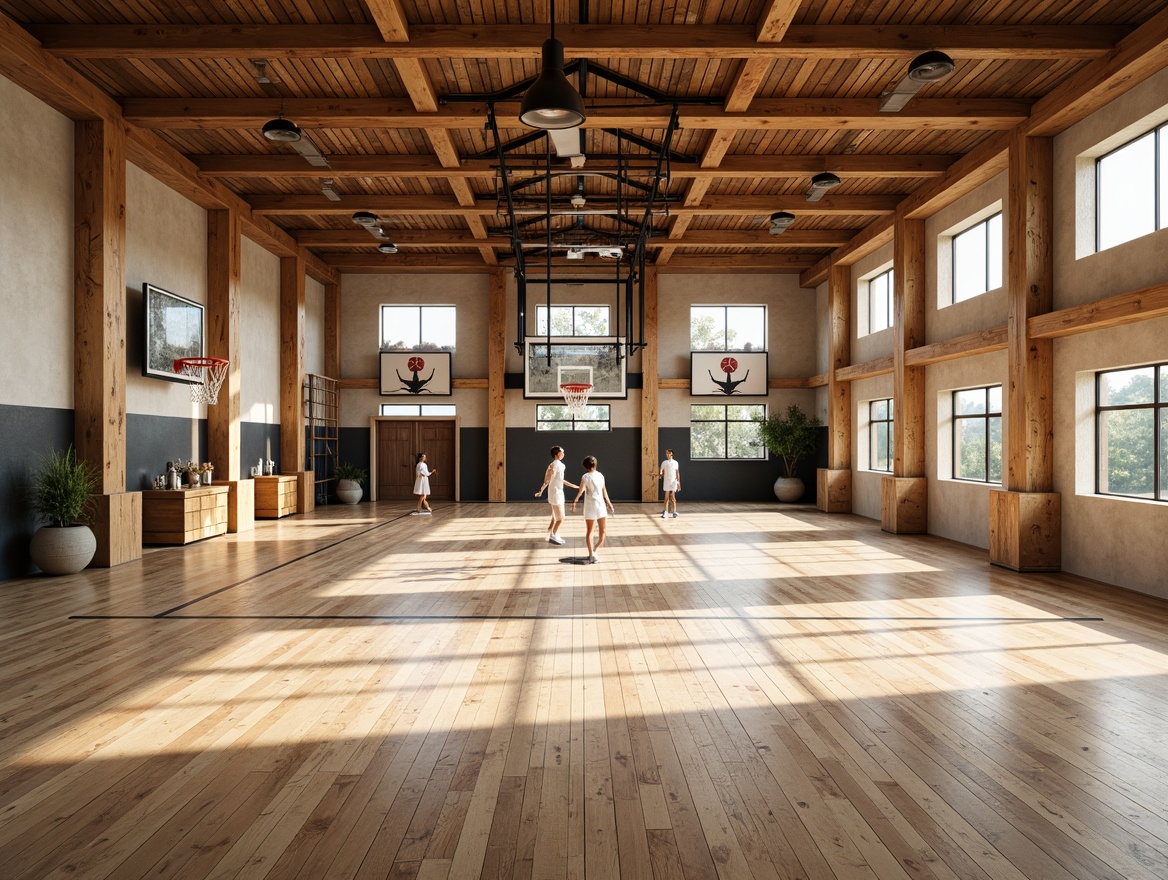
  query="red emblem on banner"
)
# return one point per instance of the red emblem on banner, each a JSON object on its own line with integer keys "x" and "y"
{"x": 415, "y": 364}
{"x": 729, "y": 365}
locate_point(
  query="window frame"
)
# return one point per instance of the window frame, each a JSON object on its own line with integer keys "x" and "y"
{"x": 726, "y": 422}
{"x": 873, "y": 423}
{"x": 606, "y": 421}
{"x": 983, "y": 224}
{"x": 574, "y": 307}
{"x": 421, "y": 307}
{"x": 1157, "y": 406}
{"x": 1159, "y": 210}
{"x": 887, "y": 273}
{"x": 420, "y": 414}
{"x": 726, "y": 324}
{"x": 985, "y": 418}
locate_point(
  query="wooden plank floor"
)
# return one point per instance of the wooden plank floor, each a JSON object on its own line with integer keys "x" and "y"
{"x": 743, "y": 692}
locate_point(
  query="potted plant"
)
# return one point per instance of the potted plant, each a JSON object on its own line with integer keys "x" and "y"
{"x": 349, "y": 480}
{"x": 58, "y": 496}
{"x": 790, "y": 435}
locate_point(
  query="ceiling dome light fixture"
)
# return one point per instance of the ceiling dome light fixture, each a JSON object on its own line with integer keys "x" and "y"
{"x": 551, "y": 102}
{"x": 281, "y": 130}
{"x": 387, "y": 247}
{"x": 930, "y": 67}
{"x": 820, "y": 184}
{"x": 781, "y": 221}
{"x": 365, "y": 218}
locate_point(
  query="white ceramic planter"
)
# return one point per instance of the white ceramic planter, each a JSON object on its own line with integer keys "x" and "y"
{"x": 788, "y": 489}
{"x": 66, "y": 550}
{"x": 349, "y": 491}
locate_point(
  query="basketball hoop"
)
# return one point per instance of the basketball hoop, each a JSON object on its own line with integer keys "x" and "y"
{"x": 208, "y": 375}
{"x": 576, "y": 397}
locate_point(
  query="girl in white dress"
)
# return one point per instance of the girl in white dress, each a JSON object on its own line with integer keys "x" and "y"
{"x": 596, "y": 505}
{"x": 422, "y": 485}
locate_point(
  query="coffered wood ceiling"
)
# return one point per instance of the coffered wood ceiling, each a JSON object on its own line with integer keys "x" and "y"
{"x": 395, "y": 95}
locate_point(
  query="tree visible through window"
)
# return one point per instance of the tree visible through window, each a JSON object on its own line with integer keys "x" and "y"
{"x": 573, "y": 321}
{"x": 727, "y": 328}
{"x": 880, "y": 435}
{"x": 977, "y": 434}
{"x": 725, "y": 431}
{"x": 1131, "y": 427}
{"x": 417, "y": 328}
{"x": 555, "y": 417}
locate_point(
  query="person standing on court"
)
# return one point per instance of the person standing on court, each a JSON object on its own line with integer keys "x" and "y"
{"x": 597, "y": 505}
{"x": 554, "y": 482}
{"x": 670, "y": 474}
{"x": 422, "y": 484}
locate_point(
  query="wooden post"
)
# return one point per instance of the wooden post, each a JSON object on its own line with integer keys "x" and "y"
{"x": 496, "y": 394}
{"x": 1025, "y": 515}
{"x": 650, "y": 393}
{"x": 99, "y": 331}
{"x": 224, "y": 268}
{"x": 834, "y": 489}
{"x": 904, "y": 495}
{"x": 292, "y": 443}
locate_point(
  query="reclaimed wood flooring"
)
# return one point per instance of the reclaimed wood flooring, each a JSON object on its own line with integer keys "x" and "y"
{"x": 742, "y": 692}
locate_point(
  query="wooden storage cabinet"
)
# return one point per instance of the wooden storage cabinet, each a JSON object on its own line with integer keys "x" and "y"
{"x": 179, "y": 516}
{"x": 275, "y": 496}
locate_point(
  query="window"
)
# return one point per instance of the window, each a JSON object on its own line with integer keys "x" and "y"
{"x": 727, "y": 328}
{"x": 880, "y": 435}
{"x": 880, "y": 302}
{"x": 1131, "y": 189}
{"x": 1131, "y": 424}
{"x": 977, "y": 259}
{"x": 573, "y": 321}
{"x": 725, "y": 431}
{"x": 555, "y": 417}
{"x": 417, "y": 328}
{"x": 977, "y": 434}
{"x": 417, "y": 409}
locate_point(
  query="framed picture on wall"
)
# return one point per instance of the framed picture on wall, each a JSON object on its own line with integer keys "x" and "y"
{"x": 416, "y": 374}
{"x": 174, "y": 329}
{"x": 728, "y": 373}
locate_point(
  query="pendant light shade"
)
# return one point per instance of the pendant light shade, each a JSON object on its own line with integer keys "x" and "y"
{"x": 551, "y": 102}
{"x": 281, "y": 130}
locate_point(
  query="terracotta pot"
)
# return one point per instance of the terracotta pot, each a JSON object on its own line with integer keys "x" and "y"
{"x": 788, "y": 489}
{"x": 57, "y": 550}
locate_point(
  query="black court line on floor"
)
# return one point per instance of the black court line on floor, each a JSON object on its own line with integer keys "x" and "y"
{"x": 673, "y": 618}
{"x": 162, "y": 615}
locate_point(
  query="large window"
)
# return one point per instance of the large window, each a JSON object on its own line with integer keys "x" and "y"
{"x": 725, "y": 431}
{"x": 977, "y": 259}
{"x": 880, "y": 435}
{"x": 977, "y": 434}
{"x": 573, "y": 321}
{"x": 1131, "y": 189}
{"x": 727, "y": 328}
{"x": 417, "y": 328}
{"x": 417, "y": 409}
{"x": 880, "y": 302}
{"x": 1132, "y": 430}
{"x": 555, "y": 417}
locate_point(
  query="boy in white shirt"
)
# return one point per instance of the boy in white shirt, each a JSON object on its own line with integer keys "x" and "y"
{"x": 670, "y": 474}
{"x": 553, "y": 481}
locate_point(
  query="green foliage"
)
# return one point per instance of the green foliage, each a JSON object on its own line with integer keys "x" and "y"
{"x": 346, "y": 471}
{"x": 706, "y": 334}
{"x": 790, "y": 435}
{"x": 62, "y": 487}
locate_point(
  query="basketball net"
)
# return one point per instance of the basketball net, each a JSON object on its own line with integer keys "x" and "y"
{"x": 208, "y": 374}
{"x": 576, "y": 398}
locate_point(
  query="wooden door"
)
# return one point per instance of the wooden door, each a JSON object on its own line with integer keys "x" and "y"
{"x": 396, "y": 447}
{"x": 436, "y": 439}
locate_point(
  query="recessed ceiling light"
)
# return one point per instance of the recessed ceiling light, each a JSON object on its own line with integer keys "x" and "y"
{"x": 281, "y": 130}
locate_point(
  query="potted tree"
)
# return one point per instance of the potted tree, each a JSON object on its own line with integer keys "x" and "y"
{"x": 349, "y": 480}
{"x": 790, "y": 435}
{"x": 58, "y": 496}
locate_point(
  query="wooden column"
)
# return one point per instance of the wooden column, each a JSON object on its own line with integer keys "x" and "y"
{"x": 224, "y": 268}
{"x": 292, "y": 443}
{"x": 99, "y": 331}
{"x": 650, "y": 392}
{"x": 1026, "y": 516}
{"x": 496, "y": 394}
{"x": 904, "y": 495}
{"x": 332, "y": 330}
{"x": 834, "y": 490}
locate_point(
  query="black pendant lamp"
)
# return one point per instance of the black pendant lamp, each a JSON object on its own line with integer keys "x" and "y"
{"x": 551, "y": 102}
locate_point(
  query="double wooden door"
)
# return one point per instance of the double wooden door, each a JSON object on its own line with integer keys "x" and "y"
{"x": 398, "y": 443}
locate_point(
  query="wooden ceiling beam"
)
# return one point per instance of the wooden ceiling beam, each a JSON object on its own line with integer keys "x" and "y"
{"x": 740, "y": 264}
{"x": 397, "y": 263}
{"x": 737, "y": 167}
{"x": 775, "y": 21}
{"x": 390, "y": 19}
{"x": 973, "y": 114}
{"x": 747, "y": 238}
{"x": 602, "y": 41}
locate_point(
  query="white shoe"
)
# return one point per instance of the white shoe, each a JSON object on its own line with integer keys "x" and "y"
{"x": 664, "y": 515}
{"x": 593, "y": 559}
{"x": 427, "y": 513}
{"x": 555, "y": 539}
{"x": 675, "y": 514}
{"x": 415, "y": 513}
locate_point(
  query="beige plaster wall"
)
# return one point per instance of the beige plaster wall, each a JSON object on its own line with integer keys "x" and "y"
{"x": 1079, "y": 275}
{"x": 361, "y": 299}
{"x": 166, "y": 245}
{"x": 313, "y": 327}
{"x": 958, "y": 509}
{"x": 36, "y": 252}
{"x": 259, "y": 333}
